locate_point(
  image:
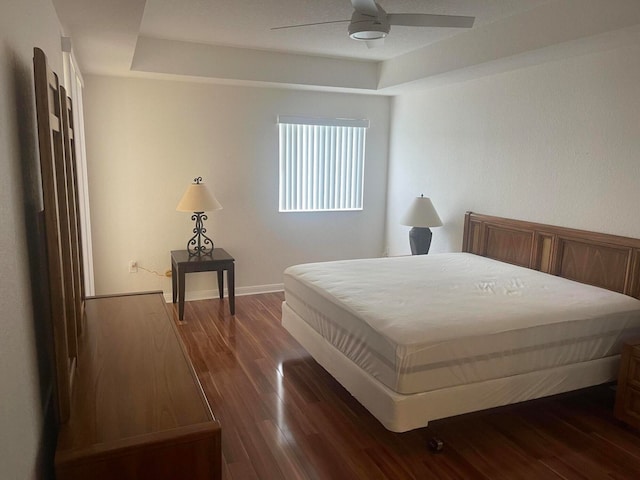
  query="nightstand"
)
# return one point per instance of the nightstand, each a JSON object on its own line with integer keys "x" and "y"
{"x": 218, "y": 260}
{"x": 627, "y": 406}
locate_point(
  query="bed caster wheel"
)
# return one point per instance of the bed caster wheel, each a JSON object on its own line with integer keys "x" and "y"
{"x": 436, "y": 445}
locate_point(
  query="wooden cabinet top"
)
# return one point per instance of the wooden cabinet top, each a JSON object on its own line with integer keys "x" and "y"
{"x": 135, "y": 383}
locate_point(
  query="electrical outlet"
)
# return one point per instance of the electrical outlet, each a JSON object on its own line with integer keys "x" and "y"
{"x": 133, "y": 266}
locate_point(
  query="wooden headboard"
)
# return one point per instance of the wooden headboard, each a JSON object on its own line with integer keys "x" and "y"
{"x": 599, "y": 259}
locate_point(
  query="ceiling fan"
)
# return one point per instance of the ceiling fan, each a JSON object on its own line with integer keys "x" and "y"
{"x": 370, "y": 23}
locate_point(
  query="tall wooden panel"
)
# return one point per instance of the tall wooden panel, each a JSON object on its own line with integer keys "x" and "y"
{"x": 50, "y": 141}
{"x": 77, "y": 270}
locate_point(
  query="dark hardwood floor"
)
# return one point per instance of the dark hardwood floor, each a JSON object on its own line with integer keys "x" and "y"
{"x": 284, "y": 417}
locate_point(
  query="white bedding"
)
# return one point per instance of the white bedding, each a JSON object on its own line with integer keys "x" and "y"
{"x": 427, "y": 322}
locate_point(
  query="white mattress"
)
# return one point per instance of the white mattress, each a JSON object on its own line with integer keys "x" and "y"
{"x": 427, "y": 322}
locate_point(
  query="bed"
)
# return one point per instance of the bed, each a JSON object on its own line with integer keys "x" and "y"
{"x": 524, "y": 311}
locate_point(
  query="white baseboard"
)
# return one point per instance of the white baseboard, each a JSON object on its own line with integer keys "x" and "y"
{"x": 207, "y": 294}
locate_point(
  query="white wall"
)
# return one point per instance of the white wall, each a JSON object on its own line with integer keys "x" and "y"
{"x": 556, "y": 143}
{"x": 23, "y": 25}
{"x": 148, "y": 139}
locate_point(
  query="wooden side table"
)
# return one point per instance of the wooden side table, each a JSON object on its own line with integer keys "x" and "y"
{"x": 218, "y": 260}
{"x": 627, "y": 406}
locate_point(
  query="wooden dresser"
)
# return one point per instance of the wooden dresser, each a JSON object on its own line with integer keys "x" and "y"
{"x": 137, "y": 409}
{"x": 627, "y": 406}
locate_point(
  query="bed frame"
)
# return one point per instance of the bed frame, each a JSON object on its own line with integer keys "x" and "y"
{"x": 603, "y": 260}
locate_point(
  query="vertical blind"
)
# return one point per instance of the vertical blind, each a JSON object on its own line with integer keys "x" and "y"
{"x": 321, "y": 163}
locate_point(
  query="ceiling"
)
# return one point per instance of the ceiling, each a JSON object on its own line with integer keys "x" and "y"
{"x": 217, "y": 39}
{"x": 248, "y": 23}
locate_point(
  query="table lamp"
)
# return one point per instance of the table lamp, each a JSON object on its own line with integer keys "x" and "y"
{"x": 421, "y": 215}
{"x": 198, "y": 199}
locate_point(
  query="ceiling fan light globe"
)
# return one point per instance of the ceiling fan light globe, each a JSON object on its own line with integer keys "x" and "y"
{"x": 368, "y": 35}
{"x": 368, "y": 32}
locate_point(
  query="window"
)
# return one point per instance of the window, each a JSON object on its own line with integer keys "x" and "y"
{"x": 321, "y": 163}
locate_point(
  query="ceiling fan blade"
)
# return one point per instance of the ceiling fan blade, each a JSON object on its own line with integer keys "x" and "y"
{"x": 368, "y": 7}
{"x": 378, "y": 42}
{"x": 309, "y": 24}
{"x": 428, "y": 20}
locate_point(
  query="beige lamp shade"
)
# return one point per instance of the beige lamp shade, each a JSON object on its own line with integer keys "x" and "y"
{"x": 198, "y": 198}
{"x": 421, "y": 214}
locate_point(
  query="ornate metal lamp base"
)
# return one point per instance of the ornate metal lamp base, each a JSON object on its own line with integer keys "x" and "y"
{"x": 199, "y": 244}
